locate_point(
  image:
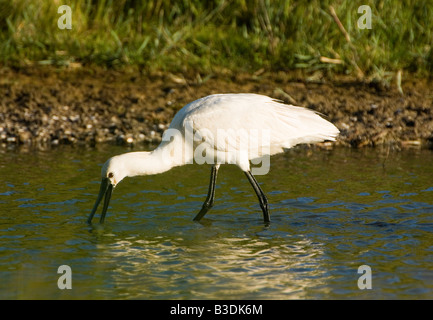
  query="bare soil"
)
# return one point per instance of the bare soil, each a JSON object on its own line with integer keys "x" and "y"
{"x": 45, "y": 107}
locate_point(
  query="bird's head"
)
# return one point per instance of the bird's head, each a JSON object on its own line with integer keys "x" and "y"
{"x": 113, "y": 171}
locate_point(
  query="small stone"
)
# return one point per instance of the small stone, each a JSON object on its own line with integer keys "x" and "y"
{"x": 25, "y": 136}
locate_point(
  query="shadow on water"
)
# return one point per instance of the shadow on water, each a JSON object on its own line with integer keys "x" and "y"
{"x": 331, "y": 211}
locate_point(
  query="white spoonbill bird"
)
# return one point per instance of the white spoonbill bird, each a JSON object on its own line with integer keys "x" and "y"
{"x": 218, "y": 129}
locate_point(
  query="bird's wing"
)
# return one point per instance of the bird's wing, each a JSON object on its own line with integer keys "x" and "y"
{"x": 233, "y": 122}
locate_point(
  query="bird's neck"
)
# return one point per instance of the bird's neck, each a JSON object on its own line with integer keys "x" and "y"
{"x": 163, "y": 158}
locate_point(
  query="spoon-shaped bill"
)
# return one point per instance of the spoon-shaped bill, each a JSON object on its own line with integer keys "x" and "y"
{"x": 106, "y": 202}
{"x": 106, "y": 189}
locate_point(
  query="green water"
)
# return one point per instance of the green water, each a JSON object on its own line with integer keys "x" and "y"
{"x": 331, "y": 211}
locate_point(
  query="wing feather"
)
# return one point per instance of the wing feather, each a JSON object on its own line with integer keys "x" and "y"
{"x": 260, "y": 124}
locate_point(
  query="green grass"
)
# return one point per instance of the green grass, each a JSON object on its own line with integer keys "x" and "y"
{"x": 221, "y": 36}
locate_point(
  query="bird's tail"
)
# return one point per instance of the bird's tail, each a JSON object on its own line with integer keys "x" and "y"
{"x": 301, "y": 126}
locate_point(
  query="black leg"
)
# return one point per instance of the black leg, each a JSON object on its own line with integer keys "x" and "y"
{"x": 208, "y": 203}
{"x": 260, "y": 194}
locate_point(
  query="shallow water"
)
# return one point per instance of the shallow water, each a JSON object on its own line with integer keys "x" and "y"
{"x": 331, "y": 211}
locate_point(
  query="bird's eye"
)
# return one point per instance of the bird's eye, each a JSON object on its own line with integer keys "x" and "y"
{"x": 110, "y": 175}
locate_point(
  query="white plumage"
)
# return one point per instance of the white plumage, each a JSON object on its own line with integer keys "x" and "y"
{"x": 219, "y": 129}
{"x": 288, "y": 125}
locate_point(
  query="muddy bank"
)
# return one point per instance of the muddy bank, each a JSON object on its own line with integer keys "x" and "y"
{"x": 45, "y": 107}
